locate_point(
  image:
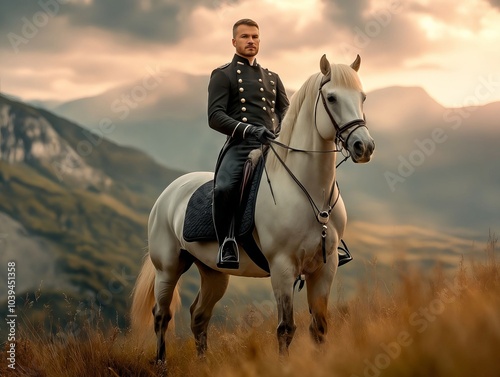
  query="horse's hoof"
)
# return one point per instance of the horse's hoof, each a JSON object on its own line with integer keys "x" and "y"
{"x": 160, "y": 367}
{"x": 157, "y": 362}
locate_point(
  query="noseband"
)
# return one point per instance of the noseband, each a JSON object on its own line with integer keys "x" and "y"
{"x": 354, "y": 124}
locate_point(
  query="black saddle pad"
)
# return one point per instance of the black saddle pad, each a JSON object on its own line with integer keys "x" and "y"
{"x": 198, "y": 222}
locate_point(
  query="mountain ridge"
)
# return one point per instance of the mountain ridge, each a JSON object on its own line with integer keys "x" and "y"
{"x": 86, "y": 213}
{"x": 406, "y": 123}
{"x": 161, "y": 128}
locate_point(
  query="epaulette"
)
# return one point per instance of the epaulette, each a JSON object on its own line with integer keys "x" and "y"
{"x": 271, "y": 72}
{"x": 224, "y": 65}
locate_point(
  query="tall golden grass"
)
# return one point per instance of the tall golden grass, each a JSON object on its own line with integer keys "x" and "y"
{"x": 429, "y": 324}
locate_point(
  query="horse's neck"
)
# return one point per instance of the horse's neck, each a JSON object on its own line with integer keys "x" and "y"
{"x": 316, "y": 171}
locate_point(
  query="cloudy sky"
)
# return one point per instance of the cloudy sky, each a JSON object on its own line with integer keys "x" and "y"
{"x": 68, "y": 49}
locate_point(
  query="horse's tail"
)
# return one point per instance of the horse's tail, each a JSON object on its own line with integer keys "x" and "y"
{"x": 143, "y": 299}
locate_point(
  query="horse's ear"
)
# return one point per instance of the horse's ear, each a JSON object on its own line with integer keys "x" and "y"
{"x": 355, "y": 65}
{"x": 324, "y": 64}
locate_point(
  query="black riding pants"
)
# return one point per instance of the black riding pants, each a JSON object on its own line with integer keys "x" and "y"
{"x": 227, "y": 184}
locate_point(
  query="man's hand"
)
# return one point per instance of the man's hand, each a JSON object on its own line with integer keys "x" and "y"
{"x": 260, "y": 133}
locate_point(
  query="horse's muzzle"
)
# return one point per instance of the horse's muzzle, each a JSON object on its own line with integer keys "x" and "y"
{"x": 362, "y": 150}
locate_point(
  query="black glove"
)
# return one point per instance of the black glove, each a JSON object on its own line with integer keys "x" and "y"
{"x": 260, "y": 133}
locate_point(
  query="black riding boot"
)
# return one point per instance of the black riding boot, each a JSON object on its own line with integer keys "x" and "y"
{"x": 228, "y": 256}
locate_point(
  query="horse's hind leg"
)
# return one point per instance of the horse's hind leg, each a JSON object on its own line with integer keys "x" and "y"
{"x": 165, "y": 281}
{"x": 212, "y": 288}
{"x": 318, "y": 291}
{"x": 164, "y": 290}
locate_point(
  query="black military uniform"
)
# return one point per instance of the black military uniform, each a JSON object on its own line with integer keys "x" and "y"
{"x": 240, "y": 96}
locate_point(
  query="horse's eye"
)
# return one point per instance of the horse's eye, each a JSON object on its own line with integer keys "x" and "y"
{"x": 331, "y": 98}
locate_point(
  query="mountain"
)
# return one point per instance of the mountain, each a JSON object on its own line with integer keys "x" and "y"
{"x": 398, "y": 104}
{"x": 73, "y": 209}
{"x": 46, "y": 105}
{"x": 165, "y": 120}
{"x": 433, "y": 166}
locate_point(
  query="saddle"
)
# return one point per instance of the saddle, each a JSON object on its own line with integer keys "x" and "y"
{"x": 198, "y": 220}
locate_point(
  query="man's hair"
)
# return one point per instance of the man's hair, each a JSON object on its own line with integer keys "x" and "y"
{"x": 244, "y": 21}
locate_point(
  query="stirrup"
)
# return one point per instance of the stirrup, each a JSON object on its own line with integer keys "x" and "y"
{"x": 344, "y": 254}
{"x": 229, "y": 248}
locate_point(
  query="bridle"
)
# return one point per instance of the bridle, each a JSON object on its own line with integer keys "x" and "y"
{"x": 322, "y": 216}
{"x": 354, "y": 124}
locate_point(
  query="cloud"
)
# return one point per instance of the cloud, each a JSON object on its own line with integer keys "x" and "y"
{"x": 395, "y": 34}
{"x": 449, "y": 14}
{"x": 347, "y": 13}
{"x": 384, "y": 33}
{"x": 149, "y": 20}
{"x": 12, "y": 13}
{"x": 84, "y": 47}
{"x": 162, "y": 21}
{"x": 495, "y": 3}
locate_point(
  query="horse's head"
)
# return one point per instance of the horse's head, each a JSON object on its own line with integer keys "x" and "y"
{"x": 340, "y": 117}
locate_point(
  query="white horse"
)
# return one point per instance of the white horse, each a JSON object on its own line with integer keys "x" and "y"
{"x": 298, "y": 227}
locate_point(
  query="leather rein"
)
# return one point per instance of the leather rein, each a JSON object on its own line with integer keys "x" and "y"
{"x": 322, "y": 216}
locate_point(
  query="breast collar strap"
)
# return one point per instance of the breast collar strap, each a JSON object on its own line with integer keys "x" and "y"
{"x": 322, "y": 216}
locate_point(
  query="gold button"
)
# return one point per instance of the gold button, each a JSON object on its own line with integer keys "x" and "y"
{"x": 273, "y": 102}
{"x": 245, "y": 119}
{"x": 261, "y": 89}
{"x": 238, "y": 71}
{"x": 264, "y": 108}
{"x": 260, "y": 80}
{"x": 269, "y": 73}
{"x": 272, "y": 82}
{"x": 272, "y": 120}
{"x": 263, "y": 99}
{"x": 240, "y": 81}
{"x": 243, "y": 109}
{"x": 272, "y": 109}
{"x": 243, "y": 100}
{"x": 274, "y": 91}
{"x": 241, "y": 90}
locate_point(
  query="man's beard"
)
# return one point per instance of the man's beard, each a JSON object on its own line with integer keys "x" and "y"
{"x": 248, "y": 53}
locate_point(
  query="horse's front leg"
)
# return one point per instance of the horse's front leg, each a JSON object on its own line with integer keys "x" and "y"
{"x": 282, "y": 279}
{"x": 318, "y": 291}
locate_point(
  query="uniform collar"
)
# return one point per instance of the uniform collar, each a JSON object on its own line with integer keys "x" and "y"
{"x": 241, "y": 60}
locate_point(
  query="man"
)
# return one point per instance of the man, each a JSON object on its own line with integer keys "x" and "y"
{"x": 247, "y": 103}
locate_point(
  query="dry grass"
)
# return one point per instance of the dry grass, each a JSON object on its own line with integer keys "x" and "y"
{"x": 434, "y": 325}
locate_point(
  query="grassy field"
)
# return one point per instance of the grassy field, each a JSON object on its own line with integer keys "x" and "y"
{"x": 429, "y": 324}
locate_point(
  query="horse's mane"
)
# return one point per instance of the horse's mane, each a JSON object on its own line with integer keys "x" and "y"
{"x": 296, "y": 101}
{"x": 342, "y": 75}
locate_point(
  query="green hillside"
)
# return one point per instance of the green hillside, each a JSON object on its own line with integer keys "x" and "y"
{"x": 97, "y": 234}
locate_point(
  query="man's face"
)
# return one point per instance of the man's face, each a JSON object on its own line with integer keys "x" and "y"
{"x": 246, "y": 41}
